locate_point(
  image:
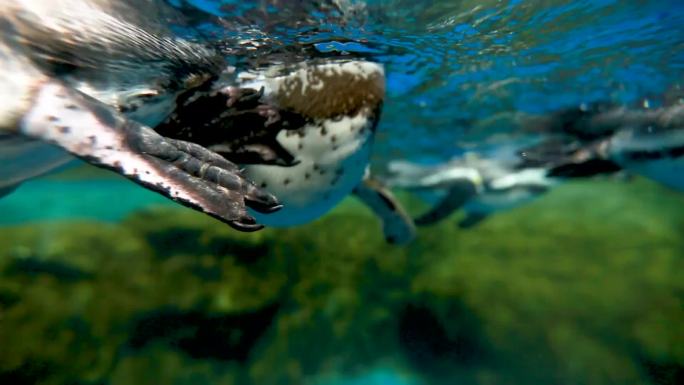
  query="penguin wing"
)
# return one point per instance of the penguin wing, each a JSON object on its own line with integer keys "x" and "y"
{"x": 184, "y": 172}
{"x": 568, "y": 159}
{"x": 397, "y": 225}
{"x": 458, "y": 194}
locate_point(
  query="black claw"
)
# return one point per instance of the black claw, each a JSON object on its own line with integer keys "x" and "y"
{"x": 246, "y": 225}
{"x": 263, "y": 208}
{"x": 245, "y": 228}
{"x": 261, "y": 201}
{"x": 255, "y": 193}
{"x": 274, "y": 208}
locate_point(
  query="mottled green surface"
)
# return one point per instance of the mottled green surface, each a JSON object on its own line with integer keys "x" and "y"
{"x": 583, "y": 286}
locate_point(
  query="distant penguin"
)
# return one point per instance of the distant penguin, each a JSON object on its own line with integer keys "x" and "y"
{"x": 479, "y": 184}
{"x": 648, "y": 142}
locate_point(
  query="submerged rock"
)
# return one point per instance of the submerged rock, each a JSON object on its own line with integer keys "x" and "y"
{"x": 170, "y": 296}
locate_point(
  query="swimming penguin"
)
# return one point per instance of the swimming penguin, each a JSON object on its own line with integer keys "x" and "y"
{"x": 478, "y": 183}
{"x": 605, "y": 139}
{"x": 329, "y": 110}
{"x": 89, "y": 78}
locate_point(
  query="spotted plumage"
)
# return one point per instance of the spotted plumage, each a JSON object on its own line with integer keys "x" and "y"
{"x": 340, "y": 104}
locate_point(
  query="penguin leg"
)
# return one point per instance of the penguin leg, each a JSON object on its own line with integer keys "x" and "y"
{"x": 472, "y": 219}
{"x": 457, "y": 195}
{"x": 397, "y": 225}
{"x": 184, "y": 172}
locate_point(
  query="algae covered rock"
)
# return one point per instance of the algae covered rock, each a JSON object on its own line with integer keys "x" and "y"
{"x": 580, "y": 287}
{"x": 565, "y": 299}
{"x": 87, "y": 290}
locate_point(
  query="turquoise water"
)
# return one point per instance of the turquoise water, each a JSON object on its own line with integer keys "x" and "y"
{"x": 103, "y": 200}
{"x": 103, "y": 282}
{"x": 453, "y": 65}
{"x": 103, "y": 196}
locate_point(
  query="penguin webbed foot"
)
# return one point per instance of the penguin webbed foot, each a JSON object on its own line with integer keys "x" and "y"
{"x": 184, "y": 172}
{"x": 259, "y": 145}
{"x": 234, "y": 122}
{"x": 246, "y": 102}
{"x": 242, "y": 98}
{"x": 210, "y": 167}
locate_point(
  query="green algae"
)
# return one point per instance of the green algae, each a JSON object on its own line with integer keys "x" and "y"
{"x": 582, "y": 286}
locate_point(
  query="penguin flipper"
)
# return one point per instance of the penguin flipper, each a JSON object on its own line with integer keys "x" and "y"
{"x": 584, "y": 169}
{"x": 397, "y": 225}
{"x": 458, "y": 194}
{"x": 184, "y": 172}
{"x": 569, "y": 159}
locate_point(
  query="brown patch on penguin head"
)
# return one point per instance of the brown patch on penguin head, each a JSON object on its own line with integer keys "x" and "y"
{"x": 331, "y": 90}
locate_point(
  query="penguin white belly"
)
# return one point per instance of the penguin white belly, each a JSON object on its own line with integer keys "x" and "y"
{"x": 332, "y": 157}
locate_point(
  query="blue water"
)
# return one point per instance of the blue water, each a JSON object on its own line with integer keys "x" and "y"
{"x": 451, "y": 64}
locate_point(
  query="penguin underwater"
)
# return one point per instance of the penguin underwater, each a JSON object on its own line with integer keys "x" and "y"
{"x": 96, "y": 84}
{"x": 328, "y": 104}
{"x": 479, "y": 183}
{"x": 602, "y": 138}
{"x": 331, "y": 109}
